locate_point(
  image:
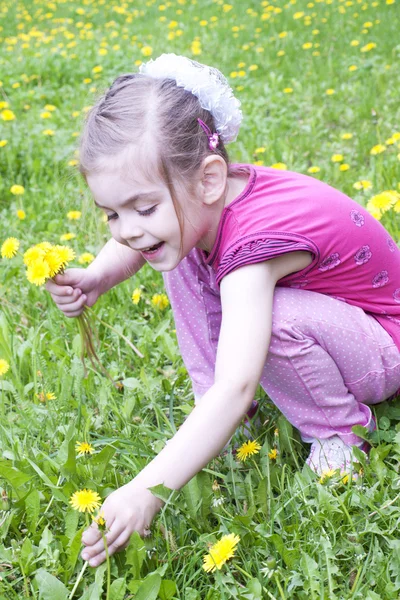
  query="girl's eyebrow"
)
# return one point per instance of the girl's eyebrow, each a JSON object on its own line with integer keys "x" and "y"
{"x": 134, "y": 198}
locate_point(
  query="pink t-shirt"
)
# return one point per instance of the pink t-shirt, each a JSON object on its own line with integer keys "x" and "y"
{"x": 354, "y": 257}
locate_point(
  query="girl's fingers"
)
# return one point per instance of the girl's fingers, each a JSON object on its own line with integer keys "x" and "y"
{"x": 67, "y": 298}
{"x": 93, "y": 540}
{"x": 58, "y": 290}
{"x": 119, "y": 544}
{"x": 72, "y": 307}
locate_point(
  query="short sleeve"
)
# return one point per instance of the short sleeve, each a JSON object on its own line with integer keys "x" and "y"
{"x": 258, "y": 250}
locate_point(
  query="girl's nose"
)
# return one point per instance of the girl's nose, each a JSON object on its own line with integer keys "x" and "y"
{"x": 129, "y": 230}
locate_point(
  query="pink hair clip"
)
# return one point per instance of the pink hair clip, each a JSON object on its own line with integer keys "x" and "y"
{"x": 213, "y": 138}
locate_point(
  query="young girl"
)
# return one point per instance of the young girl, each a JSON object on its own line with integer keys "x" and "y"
{"x": 274, "y": 278}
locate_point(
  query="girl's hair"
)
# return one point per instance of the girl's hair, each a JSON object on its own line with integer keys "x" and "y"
{"x": 138, "y": 108}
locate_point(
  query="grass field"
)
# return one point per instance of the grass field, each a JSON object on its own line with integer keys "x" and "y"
{"x": 319, "y": 84}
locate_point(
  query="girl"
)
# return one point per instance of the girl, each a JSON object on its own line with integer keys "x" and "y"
{"x": 273, "y": 277}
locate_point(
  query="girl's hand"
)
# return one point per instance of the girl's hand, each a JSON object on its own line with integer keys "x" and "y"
{"x": 128, "y": 509}
{"x": 74, "y": 289}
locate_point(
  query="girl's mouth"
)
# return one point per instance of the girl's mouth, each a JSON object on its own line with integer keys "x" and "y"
{"x": 152, "y": 250}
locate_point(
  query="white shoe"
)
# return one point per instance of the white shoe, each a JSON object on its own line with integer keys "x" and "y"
{"x": 331, "y": 454}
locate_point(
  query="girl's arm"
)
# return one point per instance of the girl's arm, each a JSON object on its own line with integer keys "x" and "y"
{"x": 247, "y": 297}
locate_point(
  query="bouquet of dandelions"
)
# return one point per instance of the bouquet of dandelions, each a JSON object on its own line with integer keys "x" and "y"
{"x": 44, "y": 261}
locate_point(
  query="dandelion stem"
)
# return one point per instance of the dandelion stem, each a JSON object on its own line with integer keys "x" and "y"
{"x": 115, "y": 331}
{"x": 279, "y": 587}
{"x": 78, "y": 580}
{"x": 108, "y": 565}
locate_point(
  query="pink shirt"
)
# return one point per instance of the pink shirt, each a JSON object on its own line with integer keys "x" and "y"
{"x": 354, "y": 257}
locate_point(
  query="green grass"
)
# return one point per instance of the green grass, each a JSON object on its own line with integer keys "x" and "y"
{"x": 299, "y": 538}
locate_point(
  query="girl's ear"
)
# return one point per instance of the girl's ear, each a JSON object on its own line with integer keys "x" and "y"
{"x": 213, "y": 179}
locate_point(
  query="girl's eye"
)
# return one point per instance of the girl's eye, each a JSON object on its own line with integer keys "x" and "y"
{"x": 111, "y": 217}
{"x": 146, "y": 212}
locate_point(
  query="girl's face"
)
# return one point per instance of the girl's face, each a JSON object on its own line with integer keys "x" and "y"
{"x": 141, "y": 215}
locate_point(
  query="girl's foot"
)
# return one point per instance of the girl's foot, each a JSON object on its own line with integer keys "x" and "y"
{"x": 332, "y": 454}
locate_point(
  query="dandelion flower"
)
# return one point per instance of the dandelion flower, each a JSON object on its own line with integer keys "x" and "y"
{"x": 100, "y": 521}
{"x": 160, "y": 301}
{"x": 313, "y": 170}
{"x": 85, "y": 501}
{"x": 363, "y": 184}
{"x": 3, "y": 143}
{"x": 38, "y": 272}
{"x": 17, "y": 190}
{"x": 74, "y": 215}
{"x": 272, "y": 454}
{"x": 248, "y": 449}
{"x": 10, "y": 247}
{"x": 136, "y": 296}
{"x": 86, "y": 258}
{"x": 327, "y": 475}
{"x": 21, "y": 214}
{"x": 7, "y": 115}
{"x": 337, "y": 158}
{"x": 83, "y": 448}
{"x": 378, "y": 149}
{"x": 65, "y": 237}
{"x": 44, "y": 396}
{"x": 279, "y": 165}
{"x": 147, "y": 50}
{"x": 32, "y": 255}
{"x": 54, "y": 259}
{"x": 66, "y": 254}
{"x": 220, "y": 552}
{"x": 4, "y": 366}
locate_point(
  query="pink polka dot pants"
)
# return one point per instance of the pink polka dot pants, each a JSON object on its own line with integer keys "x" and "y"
{"x": 327, "y": 360}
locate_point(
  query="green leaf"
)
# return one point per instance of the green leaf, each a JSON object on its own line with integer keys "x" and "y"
{"x": 131, "y": 383}
{"x": 253, "y": 590}
{"x": 55, "y": 490}
{"x": 50, "y": 588}
{"x": 191, "y": 493}
{"x": 101, "y": 460}
{"x": 149, "y": 588}
{"x": 117, "y": 589}
{"x": 14, "y": 477}
{"x": 165, "y": 494}
{"x": 191, "y": 594}
{"x": 167, "y": 589}
{"x": 92, "y": 593}
{"x": 32, "y": 507}
{"x": 135, "y": 554}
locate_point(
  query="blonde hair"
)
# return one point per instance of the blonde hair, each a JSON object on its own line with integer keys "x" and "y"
{"x": 137, "y": 108}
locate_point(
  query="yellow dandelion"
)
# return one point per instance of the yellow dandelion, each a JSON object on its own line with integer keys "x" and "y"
{"x": 279, "y": 165}
{"x": 248, "y": 449}
{"x": 65, "y": 237}
{"x": 66, "y": 254}
{"x": 329, "y": 92}
{"x": 4, "y": 366}
{"x": 313, "y": 169}
{"x": 3, "y": 143}
{"x": 337, "y": 158}
{"x": 100, "y": 521}
{"x": 48, "y": 132}
{"x": 54, "y": 260}
{"x": 7, "y": 115}
{"x": 220, "y": 552}
{"x": 97, "y": 69}
{"x": 86, "y": 258}
{"x": 288, "y": 90}
{"x": 147, "y": 50}
{"x": 50, "y": 107}
{"x": 17, "y": 190}
{"x": 136, "y": 294}
{"x": 45, "y": 114}
{"x": 38, "y": 272}
{"x": 74, "y": 215}
{"x": 85, "y": 501}
{"x": 44, "y": 396}
{"x": 346, "y": 136}
{"x": 10, "y": 247}
{"x": 83, "y": 448}
{"x": 272, "y": 454}
{"x": 34, "y": 254}
{"x": 21, "y": 214}
{"x": 327, "y": 475}
{"x": 385, "y": 200}
{"x": 260, "y": 150}
{"x": 160, "y": 301}
{"x": 378, "y": 149}
{"x": 375, "y": 212}
{"x": 344, "y": 167}
{"x": 353, "y": 68}
{"x": 363, "y": 184}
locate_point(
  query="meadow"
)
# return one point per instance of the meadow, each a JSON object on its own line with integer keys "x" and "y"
{"x": 319, "y": 84}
